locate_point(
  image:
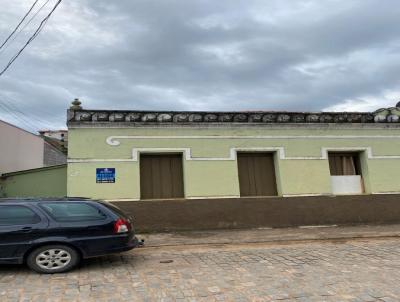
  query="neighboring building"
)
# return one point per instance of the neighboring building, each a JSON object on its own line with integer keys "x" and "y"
{"x": 58, "y": 135}
{"x": 142, "y": 155}
{"x": 58, "y": 139}
{"x": 40, "y": 182}
{"x": 22, "y": 150}
{"x": 61, "y": 135}
{"x": 54, "y": 153}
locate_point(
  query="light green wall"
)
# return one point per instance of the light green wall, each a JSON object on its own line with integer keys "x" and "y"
{"x": 82, "y": 181}
{"x": 304, "y": 177}
{"x": 384, "y": 175}
{"x": 42, "y": 182}
{"x": 213, "y": 178}
{"x": 217, "y": 178}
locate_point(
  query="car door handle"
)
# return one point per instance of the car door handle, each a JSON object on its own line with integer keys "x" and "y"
{"x": 26, "y": 230}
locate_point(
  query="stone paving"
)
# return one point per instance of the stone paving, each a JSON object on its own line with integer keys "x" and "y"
{"x": 356, "y": 270}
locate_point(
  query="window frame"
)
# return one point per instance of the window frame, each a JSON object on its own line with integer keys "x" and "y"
{"x": 40, "y": 219}
{"x": 47, "y": 212}
{"x": 356, "y": 155}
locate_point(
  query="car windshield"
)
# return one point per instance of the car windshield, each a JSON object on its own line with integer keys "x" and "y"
{"x": 72, "y": 211}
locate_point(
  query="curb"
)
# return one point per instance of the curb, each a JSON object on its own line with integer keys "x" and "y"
{"x": 279, "y": 241}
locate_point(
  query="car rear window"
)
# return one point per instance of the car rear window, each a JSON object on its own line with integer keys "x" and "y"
{"x": 17, "y": 215}
{"x": 115, "y": 209}
{"x": 72, "y": 211}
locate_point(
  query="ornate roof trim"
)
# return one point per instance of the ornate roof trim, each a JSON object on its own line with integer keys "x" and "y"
{"x": 78, "y": 116}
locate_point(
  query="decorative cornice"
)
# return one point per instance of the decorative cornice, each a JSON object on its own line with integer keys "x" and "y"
{"x": 79, "y": 116}
{"x": 280, "y": 151}
{"x": 116, "y": 140}
{"x": 387, "y": 115}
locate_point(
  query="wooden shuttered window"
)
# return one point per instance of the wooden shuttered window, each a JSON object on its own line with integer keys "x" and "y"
{"x": 161, "y": 176}
{"x": 344, "y": 164}
{"x": 256, "y": 174}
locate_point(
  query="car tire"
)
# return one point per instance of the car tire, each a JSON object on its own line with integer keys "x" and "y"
{"x": 51, "y": 259}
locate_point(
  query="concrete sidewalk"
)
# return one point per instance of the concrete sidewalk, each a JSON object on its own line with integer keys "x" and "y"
{"x": 270, "y": 235}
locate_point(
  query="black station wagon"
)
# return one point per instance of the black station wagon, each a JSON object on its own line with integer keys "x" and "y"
{"x": 52, "y": 236}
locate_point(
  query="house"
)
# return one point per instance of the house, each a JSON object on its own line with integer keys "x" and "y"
{"x": 320, "y": 161}
{"x": 22, "y": 150}
{"x": 60, "y": 136}
{"x": 56, "y": 138}
{"x": 164, "y": 155}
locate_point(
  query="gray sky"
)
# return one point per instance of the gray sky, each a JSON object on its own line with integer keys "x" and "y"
{"x": 292, "y": 55}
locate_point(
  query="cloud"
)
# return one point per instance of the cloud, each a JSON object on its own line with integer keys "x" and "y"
{"x": 205, "y": 55}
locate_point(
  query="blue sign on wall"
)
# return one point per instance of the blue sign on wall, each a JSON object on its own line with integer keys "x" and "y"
{"x": 105, "y": 175}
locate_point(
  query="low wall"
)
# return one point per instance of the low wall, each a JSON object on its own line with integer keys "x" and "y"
{"x": 41, "y": 182}
{"x": 203, "y": 214}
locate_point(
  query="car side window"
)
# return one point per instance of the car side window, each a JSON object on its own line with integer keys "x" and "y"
{"x": 72, "y": 211}
{"x": 17, "y": 215}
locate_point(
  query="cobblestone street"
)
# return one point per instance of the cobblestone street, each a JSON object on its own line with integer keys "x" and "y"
{"x": 356, "y": 270}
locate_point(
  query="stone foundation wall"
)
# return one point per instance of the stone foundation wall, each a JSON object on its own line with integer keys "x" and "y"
{"x": 203, "y": 214}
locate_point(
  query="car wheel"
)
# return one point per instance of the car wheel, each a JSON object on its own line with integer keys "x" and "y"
{"x": 52, "y": 259}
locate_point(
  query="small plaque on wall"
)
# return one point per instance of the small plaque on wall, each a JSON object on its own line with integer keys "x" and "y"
{"x": 105, "y": 175}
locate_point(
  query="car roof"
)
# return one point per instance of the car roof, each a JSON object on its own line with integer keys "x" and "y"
{"x": 36, "y": 200}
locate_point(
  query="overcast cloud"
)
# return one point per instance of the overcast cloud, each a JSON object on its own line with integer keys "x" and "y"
{"x": 292, "y": 55}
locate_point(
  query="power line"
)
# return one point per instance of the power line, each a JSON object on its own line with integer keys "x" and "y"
{"x": 19, "y": 24}
{"x": 17, "y": 115}
{"x": 25, "y": 25}
{"x": 33, "y": 120}
{"x": 35, "y": 34}
{"x": 17, "y": 118}
{"x": 14, "y": 116}
{"x": 17, "y": 104}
